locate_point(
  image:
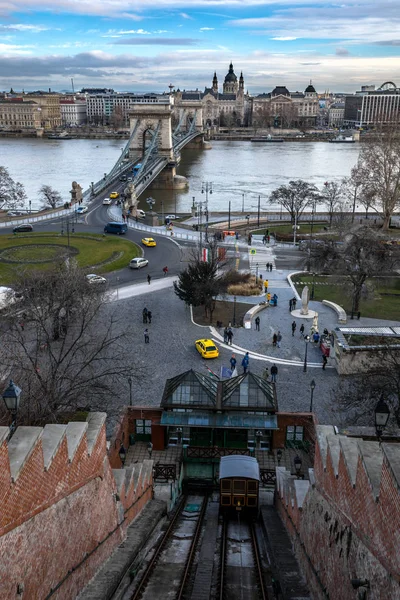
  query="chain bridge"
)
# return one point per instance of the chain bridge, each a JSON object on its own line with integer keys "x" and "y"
{"x": 153, "y": 145}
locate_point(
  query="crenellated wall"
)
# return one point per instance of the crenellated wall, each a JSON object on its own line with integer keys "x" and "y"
{"x": 345, "y": 522}
{"x": 63, "y": 508}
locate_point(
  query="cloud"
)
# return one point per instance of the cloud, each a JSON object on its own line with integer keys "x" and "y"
{"x": 388, "y": 43}
{"x": 287, "y": 38}
{"x": 342, "y": 52}
{"x": 24, "y": 28}
{"x": 207, "y": 28}
{"x": 11, "y": 49}
{"x": 185, "y": 16}
{"x": 157, "y": 42}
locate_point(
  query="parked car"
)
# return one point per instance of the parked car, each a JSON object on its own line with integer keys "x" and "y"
{"x": 81, "y": 210}
{"x": 149, "y": 242}
{"x": 22, "y": 228}
{"x": 114, "y": 195}
{"x": 14, "y": 213}
{"x": 107, "y": 201}
{"x": 170, "y": 217}
{"x": 140, "y": 213}
{"x": 207, "y": 348}
{"x": 122, "y": 178}
{"x": 138, "y": 263}
{"x": 114, "y": 227}
{"x": 95, "y": 279}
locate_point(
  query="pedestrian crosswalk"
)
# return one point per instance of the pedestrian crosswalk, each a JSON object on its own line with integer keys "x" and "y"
{"x": 277, "y": 283}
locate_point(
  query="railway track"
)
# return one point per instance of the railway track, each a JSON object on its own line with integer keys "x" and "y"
{"x": 241, "y": 575}
{"x": 170, "y": 567}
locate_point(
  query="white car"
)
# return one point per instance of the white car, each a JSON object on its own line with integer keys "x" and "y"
{"x": 107, "y": 201}
{"x": 138, "y": 263}
{"x": 81, "y": 210}
{"x": 171, "y": 217}
{"x": 95, "y": 279}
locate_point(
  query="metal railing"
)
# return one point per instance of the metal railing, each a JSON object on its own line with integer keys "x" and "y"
{"x": 268, "y": 476}
{"x": 214, "y": 452}
{"x": 164, "y": 471}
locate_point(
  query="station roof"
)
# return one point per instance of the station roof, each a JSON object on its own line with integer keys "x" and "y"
{"x": 239, "y": 466}
{"x": 226, "y": 420}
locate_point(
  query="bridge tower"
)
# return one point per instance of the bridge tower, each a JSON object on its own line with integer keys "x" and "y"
{"x": 148, "y": 119}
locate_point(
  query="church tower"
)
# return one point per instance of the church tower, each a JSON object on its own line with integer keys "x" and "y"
{"x": 215, "y": 83}
{"x": 231, "y": 82}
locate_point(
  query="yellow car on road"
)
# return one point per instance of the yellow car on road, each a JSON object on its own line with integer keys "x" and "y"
{"x": 149, "y": 242}
{"x": 207, "y": 348}
{"x": 114, "y": 195}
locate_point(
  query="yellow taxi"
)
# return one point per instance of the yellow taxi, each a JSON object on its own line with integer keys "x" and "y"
{"x": 207, "y": 348}
{"x": 114, "y": 195}
{"x": 149, "y": 242}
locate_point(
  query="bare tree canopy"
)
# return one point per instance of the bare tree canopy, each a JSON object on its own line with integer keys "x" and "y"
{"x": 295, "y": 197}
{"x": 63, "y": 345}
{"x": 12, "y": 193}
{"x": 332, "y": 194}
{"x": 380, "y": 160}
{"x": 50, "y": 196}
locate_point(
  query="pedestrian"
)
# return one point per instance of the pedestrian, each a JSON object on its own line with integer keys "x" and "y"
{"x": 264, "y": 240}
{"x": 274, "y": 339}
{"x": 265, "y": 374}
{"x": 275, "y": 299}
{"x": 324, "y": 362}
{"x": 267, "y": 232}
{"x": 245, "y": 362}
{"x": 290, "y": 305}
{"x": 148, "y": 279}
{"x": 233, "y": 362}
{"x": 274, "y": 373}
{"x": 267, "y": 265}
{"x": 150, "y": 449}
{"x": 270, "y": 264}
{"x": 225, "y": 335}
{"x": 302, "y": 330}
{"x": 294, "y": 302}
{"x": 266, "y": 285}
{"x": 165, "y": 271}
{"x": 293, "y": 328}
{"x": 268, "y": 297}
{"x": 279, "y": 339}
{"x": 145, "y": 313}
{"x": 230, "y": 336}
{"x": 268, "y": 238}
{"x": 149, "y": 316}
{"x": 146, "y": 336}
{"x": 257, "y": 322}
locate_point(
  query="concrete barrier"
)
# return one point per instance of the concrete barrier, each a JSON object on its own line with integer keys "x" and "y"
{"x": 341, "y": 313}
{"x": 251, "y": 313}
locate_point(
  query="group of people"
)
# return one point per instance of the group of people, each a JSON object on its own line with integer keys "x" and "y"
{"x": 269, "y": 266}
{"x": 228, "y": 335}
{"x": 292, "y": 304}
{"x": 147, "y": 316}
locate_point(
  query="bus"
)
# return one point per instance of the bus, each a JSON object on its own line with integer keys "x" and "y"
{"x": 136, "y": 169}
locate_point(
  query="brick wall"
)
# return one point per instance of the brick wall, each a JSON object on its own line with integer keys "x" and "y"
{"x": 345, "y": 524}
{"x": 126, "y": 426}
{"x": 306, "y": 420}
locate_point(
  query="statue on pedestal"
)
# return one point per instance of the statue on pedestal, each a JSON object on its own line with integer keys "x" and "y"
{"x": 131, "y": 202}
{"x": 305, "y": 299}
{"x": 76, "y": 193}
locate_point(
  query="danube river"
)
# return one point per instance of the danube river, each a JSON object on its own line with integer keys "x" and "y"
{"x": 233, "y": 168}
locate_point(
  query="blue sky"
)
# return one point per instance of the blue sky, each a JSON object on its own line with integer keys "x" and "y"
{"x": 142, "y": 45}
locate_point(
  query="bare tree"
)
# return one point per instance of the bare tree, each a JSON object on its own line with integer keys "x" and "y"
{"x": 12, "y": 193}
{"x": 117, "y": 118}
{"x": 50, "y": 196}
{"x": 288, "y": 114}
{"x": 352, "y": 187}
{"x": 295, "y": 197}
{"x": 380, "y": 159}
{"x": 63, "y": 345}
{"x": 262, "y": 117}
{"x": 331, "y": 195}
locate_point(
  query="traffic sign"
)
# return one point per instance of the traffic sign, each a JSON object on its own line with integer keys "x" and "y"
{"x": 253, "y": 251}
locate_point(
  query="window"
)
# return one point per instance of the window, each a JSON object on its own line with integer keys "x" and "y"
{"x": 294, "y": 433}
{"x": 143, "y": 426}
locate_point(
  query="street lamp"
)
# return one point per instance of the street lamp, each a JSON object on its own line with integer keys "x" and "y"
{"x": 151, "y": 202}
{"x": 234, "y": 311}
{"x": 122, "y": 454}
{"x": 295, "y": 228}
{"x": 206, "y": 187}
{"x": 382, "y": 414}
{"x": 11, "y": 396}
{"x": 130, "y": 390}
{"x": 242, "y": 203}
{"x": 312, "y": 387}
{"x": 306, "y": 339}
{"x": 279, "y": 455}
{"x": 312, "y": 287}
{"x": 256, "y": 272}
{"x": 297, "y": 465}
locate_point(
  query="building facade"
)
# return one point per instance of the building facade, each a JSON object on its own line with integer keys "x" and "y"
{"x": 281, "y": 108}
{"x": 49, "y": 105}
{"x": 370, "y": 107}
{"x": 336, "y": 114}
{"x": 73, "y": 112}
{"x": 107, "y": 107}
{"x": 18, "y": 115}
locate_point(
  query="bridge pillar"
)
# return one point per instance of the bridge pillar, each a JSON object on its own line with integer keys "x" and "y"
{"x": 145, "y": 117}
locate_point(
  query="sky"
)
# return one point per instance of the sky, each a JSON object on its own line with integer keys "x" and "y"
{"x": 145, "y": 45}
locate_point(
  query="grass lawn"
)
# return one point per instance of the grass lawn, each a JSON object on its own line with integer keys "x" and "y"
{"x": 304, "y": 228}
{"x": 37, "y": 251}
{"x": 382, "y": 302}
{"x": 223, "y": 312}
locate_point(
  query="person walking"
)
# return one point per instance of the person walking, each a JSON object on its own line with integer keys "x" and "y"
{"x": 302, "y": 330}
{"x": 266, "y": 285}
{"x": 233, "y": 362}
{"x": 265, "y": 374}
{"x": 274, "y": 339}
{"x": 293, "y": 328}
{"x": 245, "y": 362}
{"x": 279, "y": 339}
{"x": 230, "y": 336}
{"x": 150, "y": 449}
{"x": 268, "y": 297}
{"x": 225, "y": 335}
{"x": 267, "y": 266}
{"x": 148, "y": 279}
{"x": 264, "y": 240}
{"x": 294, "y": 302}
{"x": 290, "y": 305}
{"x": 274, "y": 373}
{"x": 257, "y": 322}
{"x": 146, "y": 336}
{"x": 165, "y": 271}
{"x": 324, "y": 362}
{"x": 149, "y": 316}
{"x": 270, "y": 264}
{"x": 145, "y": 312}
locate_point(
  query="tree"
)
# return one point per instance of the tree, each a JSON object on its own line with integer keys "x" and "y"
{"x": 63, "y": 345}
{"x": 295, "y": 197}
{"x": 12, "y": 193}
{"x": 362, "y": 256}
{"x": 262, "y": 117}
{"x": 288, "y": 114}
{"x": 331, "y": 195}
{"x": 380, "y": 160}
{"x": 352, "y": 187}
{"x": 51, "y": 197}
{"x": 117, "y": 118}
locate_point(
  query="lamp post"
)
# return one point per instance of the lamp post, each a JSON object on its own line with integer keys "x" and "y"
{"x": 256, "y": 272}
{"x": 206, "y": 187}
{"x": 312, "y": 287}
{"x": 242, "y": 203}
{"x": 297, "y": 466}
{"x": 248, "y": 220}
{"x": 229, "y": 215}
{"x": 314, "y": 205}
{"x": 30, "y": 206}
{"x": 382, "y": 414}
{"x": 234, "y": 311}
{"x": 122, "y": 454}
{"x": 306, "y": 339}
{"x": 295, "y": 228}
{"x": 151, "y": 202}
{"x": 11, "y": 396}
{"x": 130, "y": 390}
{"x": 279, "y": 455}
{"x": 312, "y": 388}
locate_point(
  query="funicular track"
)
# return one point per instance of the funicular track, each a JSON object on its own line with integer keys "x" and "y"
{"x": 241, "y": 575}
{"x": 166, "y": 578}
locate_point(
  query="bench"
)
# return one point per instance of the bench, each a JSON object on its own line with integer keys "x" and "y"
{"x": 251, "y": 313}
{"x": 341, "y": 313}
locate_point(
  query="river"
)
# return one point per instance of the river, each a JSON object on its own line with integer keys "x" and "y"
{"x": 234, "y": 168}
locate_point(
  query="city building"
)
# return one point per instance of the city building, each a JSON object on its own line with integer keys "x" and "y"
{"x": 336, "y": 114}
{"x": 369, "y": 107}
{"x": 73, "y": 111}
{"x": 281, "y": 108}
{"x": 49, "y": 105}
{"x": 17, "y": 115}
{"x": 107, "y": 107}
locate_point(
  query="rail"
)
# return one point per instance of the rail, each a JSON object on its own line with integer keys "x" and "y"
{"x": 200, "y": 452}
{"x": 192, "y": 551}
{"x": 257, "y": 560}
{"x": 164, "y": 471}
{"x": 268, "y": 476}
